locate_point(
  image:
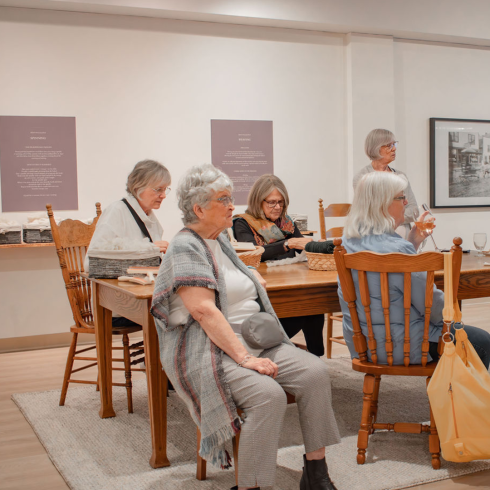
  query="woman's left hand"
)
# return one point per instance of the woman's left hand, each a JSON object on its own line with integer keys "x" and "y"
{"x": 162, "y": 244}
{"x": 262, "y": 281}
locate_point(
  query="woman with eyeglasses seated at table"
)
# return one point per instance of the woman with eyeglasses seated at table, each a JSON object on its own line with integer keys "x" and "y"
{"x": 377, "y": 210}
{"x": 204, "y": 297}
{"x": 266, "y": 223}
{"x": 380, "y": 146}
{"x": 133, "y": 218}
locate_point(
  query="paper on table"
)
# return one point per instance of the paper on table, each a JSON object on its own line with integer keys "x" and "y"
{"x": 298, "y": 258}
{"x": 243, "y": 246}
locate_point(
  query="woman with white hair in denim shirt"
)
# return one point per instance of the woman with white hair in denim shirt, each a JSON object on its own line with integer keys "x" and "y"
{"x": 378, "y": 209}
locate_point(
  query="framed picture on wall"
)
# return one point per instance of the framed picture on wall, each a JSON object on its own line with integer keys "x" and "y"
{"x": 459, "y": 163}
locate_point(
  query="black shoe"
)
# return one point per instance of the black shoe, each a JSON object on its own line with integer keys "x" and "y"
{"x": 236, "y": 488}
{"x": 315, "y": 476}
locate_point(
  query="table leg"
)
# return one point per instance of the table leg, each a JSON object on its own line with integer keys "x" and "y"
{"x": 103, "y": 340}
{"x": 157, "y": 394}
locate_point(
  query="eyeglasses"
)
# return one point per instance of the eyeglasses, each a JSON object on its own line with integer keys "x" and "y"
{"x": 391, "y": 145}
{"x": 273, "y": 204}
{"x": 226, "y": 200}
{"x": 400, "y": 198}
{"x": 161, "y": 190}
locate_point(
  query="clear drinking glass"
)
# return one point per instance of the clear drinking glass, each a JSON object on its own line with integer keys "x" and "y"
{"x": 480, "y": 240}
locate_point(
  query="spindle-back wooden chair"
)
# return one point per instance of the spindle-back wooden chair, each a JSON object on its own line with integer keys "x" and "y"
{"x": 72, "y": 238}
{"x": 333, "y": 211}
{"x": 384, "y": 264}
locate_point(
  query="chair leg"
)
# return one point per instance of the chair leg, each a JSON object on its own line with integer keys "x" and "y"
{"x": 127, "y": 372}
{"x": 236, "y": 443}
{"x": 68, "y": 368}
{"x": 201, "y": 463}
{"x": 374, "y": 403}
{"x": 366, "y": 423}
{"x": 329, "y": 335}
{"x": 434, "y": 444}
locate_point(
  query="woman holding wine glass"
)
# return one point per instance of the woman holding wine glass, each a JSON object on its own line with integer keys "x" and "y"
{"x": 377, "y": 210}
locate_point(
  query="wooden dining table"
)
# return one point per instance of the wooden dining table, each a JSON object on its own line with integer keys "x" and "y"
{"x": 293, "y": 290}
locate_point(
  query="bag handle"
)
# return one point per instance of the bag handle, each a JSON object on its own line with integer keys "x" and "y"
{"x": 448, "y": 310}
{"x": 138, "y": 220}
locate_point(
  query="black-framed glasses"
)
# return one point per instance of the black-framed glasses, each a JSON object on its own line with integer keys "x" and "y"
{"x": 226, "y": 200}
{"x": 161, "y": 190}
{"x": 273, "y": 204}
{"x": 400, "y": 198}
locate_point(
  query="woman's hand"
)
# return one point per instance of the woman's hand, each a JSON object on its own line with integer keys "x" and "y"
{"x": 299, "y": 243}
{"x": 262, "y": 365}
{"x": 162, "y": 244}
{"x": 262, "y": 281}
{"x": 416, "y": 235}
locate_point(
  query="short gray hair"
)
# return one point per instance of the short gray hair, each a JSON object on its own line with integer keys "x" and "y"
{"x": 375, "y": 140}
{"x": 369, "y": 214}
{"x": 145, "y": 174}
{"x": 262, "y": 187}
{"x": 198, "y": 185}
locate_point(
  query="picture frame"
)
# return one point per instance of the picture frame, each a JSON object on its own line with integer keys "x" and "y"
{"x": 459, "y": 163}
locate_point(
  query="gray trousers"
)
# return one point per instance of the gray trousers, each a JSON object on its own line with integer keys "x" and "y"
{"x": 263, "y": 400}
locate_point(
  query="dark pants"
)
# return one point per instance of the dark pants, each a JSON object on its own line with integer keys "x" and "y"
{"x": 480, "y": 339}
{"x": 120, "y": 321}
{"x": 312, "y": 327}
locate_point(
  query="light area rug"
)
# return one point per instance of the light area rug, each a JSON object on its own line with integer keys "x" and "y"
{"x": 112, "y": 454}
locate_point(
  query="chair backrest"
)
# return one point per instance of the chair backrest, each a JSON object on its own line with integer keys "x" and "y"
{"x": 72, "y": 238}
{"x": 332, "y": 211}
{"x": 383, "y": 264}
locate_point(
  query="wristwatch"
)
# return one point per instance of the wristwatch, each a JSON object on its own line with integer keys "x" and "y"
{"x": 286, "y": 246}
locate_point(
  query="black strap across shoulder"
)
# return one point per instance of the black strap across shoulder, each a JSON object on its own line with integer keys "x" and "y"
{"x": 138, "y": 220}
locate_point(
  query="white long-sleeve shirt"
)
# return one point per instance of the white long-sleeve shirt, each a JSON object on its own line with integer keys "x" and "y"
{"x": 117, "y": 222}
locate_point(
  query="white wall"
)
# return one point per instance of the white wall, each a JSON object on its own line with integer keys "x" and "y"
{"x": 447, "y": 81}
{"x": 148, "y": 88}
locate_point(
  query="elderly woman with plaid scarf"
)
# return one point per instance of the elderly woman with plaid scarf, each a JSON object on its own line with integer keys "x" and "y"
{"x": 202, "y": 296}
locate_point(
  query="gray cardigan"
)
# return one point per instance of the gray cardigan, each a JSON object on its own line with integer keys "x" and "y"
{"x": 412, "y": 202}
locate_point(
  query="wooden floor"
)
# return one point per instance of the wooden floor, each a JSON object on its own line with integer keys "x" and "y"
{"x": 25, "y": 465}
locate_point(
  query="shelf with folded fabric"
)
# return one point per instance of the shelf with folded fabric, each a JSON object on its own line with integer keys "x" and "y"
{"x": 26, "y": 245}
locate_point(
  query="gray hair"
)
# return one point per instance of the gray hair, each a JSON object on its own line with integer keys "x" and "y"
{"x": 375, "y": 140}
{"x": 369, "y": 213}
{"x": 145, "y": 174}
{"x": 198, "y": 186}
{"x": 262, "y": 187}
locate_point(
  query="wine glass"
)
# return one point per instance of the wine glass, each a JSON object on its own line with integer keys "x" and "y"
{"x": 425, "y": 225}
{"x": 480, "y": 240}
{"x": 421, "y": 246}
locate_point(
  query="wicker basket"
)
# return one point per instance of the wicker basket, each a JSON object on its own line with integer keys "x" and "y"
{"x": 252, "y": 258}
{"x": 35, "y": 235}
{"x": 113, "y": 268}
{"x": 321, "y": 262}
{"x": 9, "y": 237}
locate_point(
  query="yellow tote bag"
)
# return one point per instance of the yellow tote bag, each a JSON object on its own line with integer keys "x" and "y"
{"x": 459, "y": 391}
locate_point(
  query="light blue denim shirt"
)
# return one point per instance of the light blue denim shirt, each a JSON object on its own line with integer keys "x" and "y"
{"x": 389, "y": 243}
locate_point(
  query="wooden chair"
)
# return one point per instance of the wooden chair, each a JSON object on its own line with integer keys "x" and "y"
{"x": 72, "y": 238}
{"x": 332, "y": 211}
{"x": 201, "y": 463}
{"x": 383, "y": 264}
